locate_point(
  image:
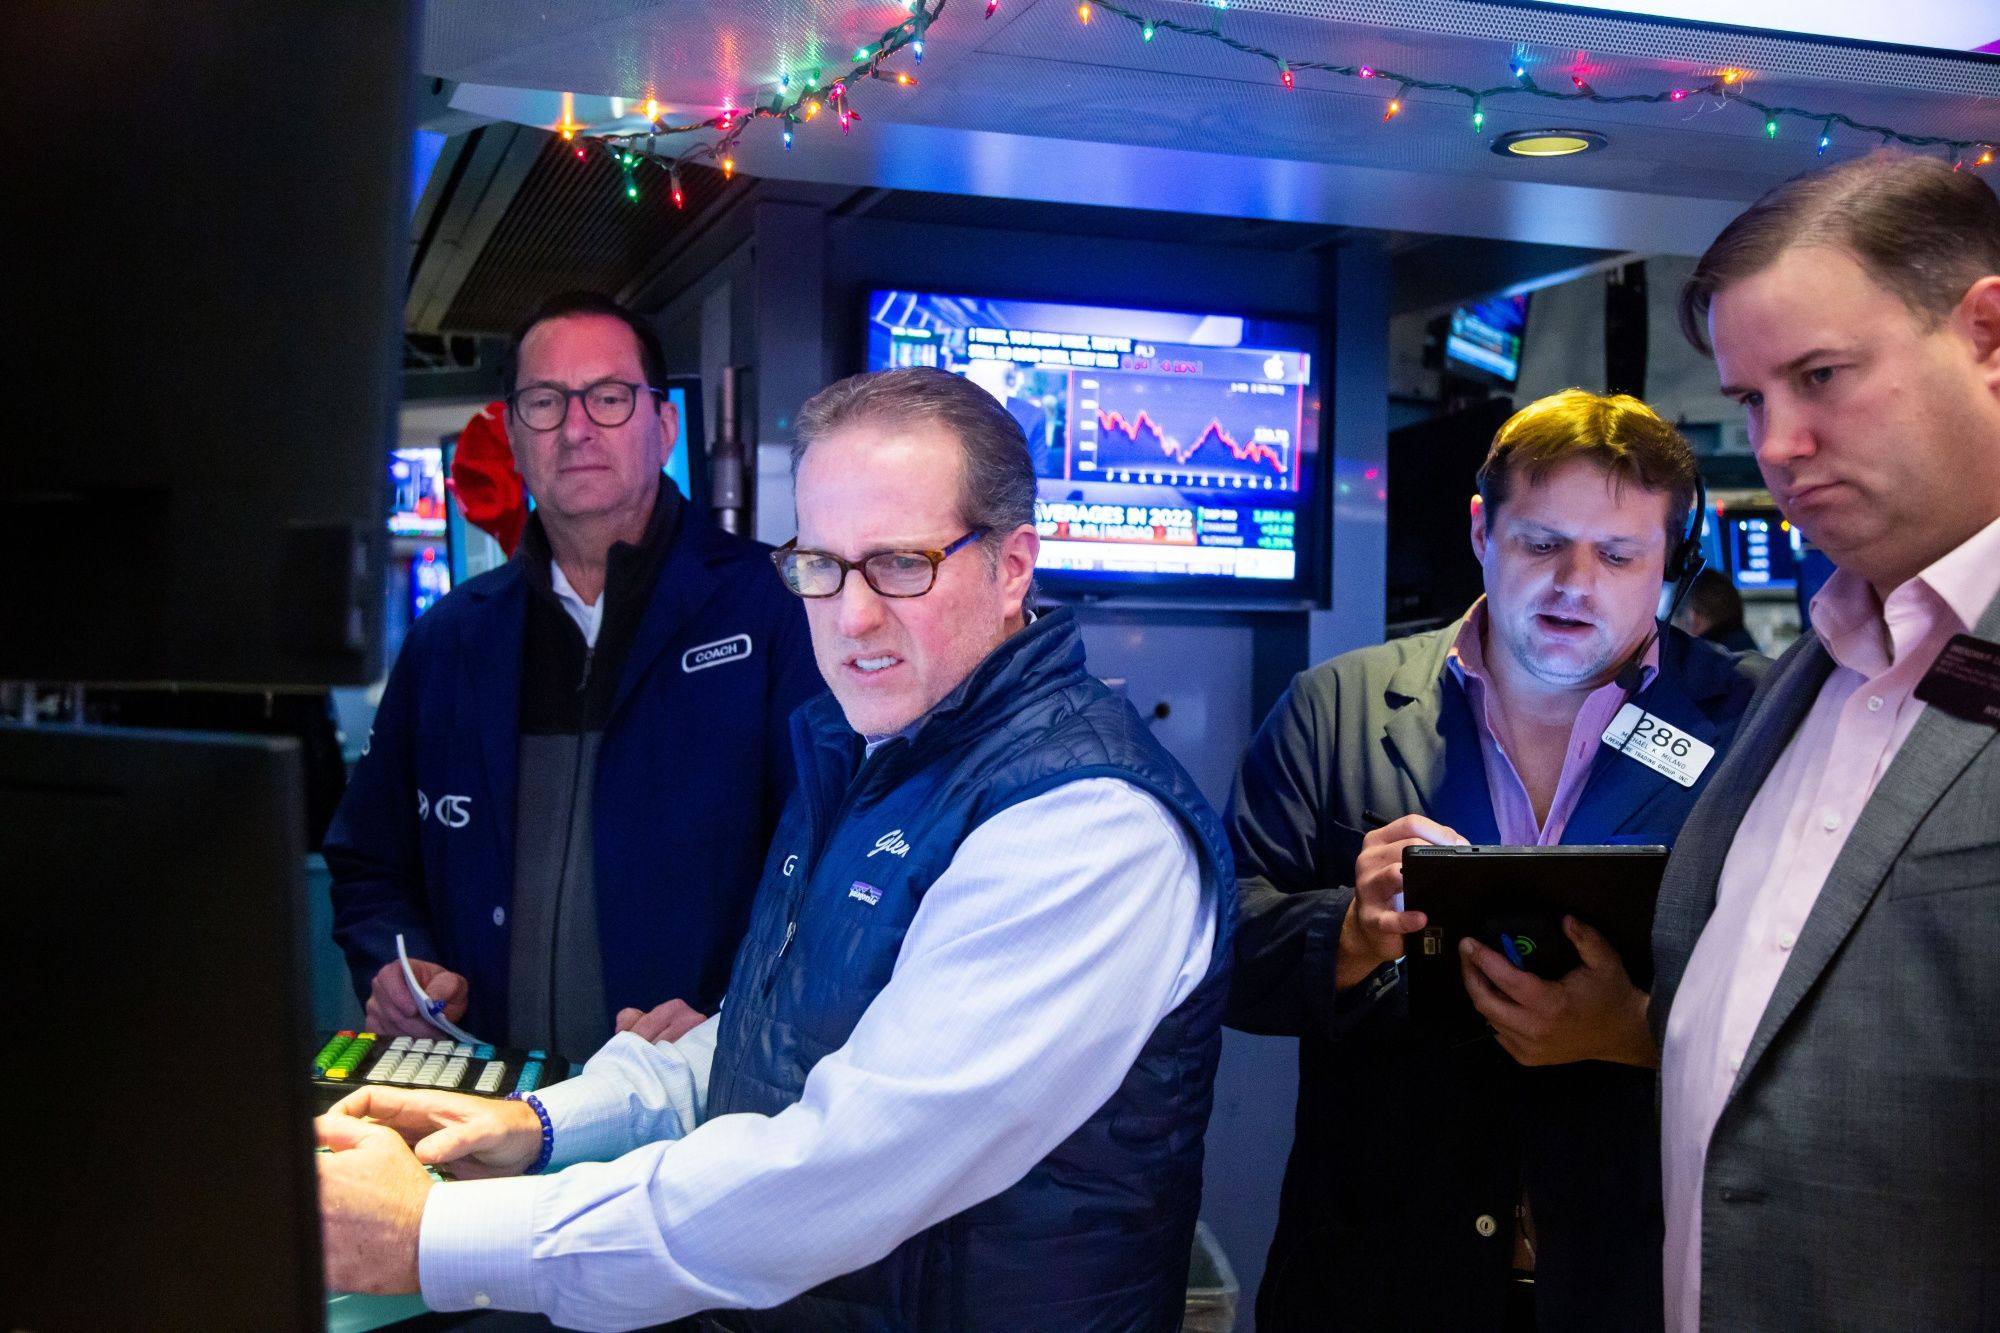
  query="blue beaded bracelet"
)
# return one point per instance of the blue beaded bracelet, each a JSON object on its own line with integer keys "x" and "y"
{"x": 548, "y": 1130}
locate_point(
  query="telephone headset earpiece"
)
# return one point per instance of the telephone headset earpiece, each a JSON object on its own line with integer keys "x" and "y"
{"x": 1684, "y": 566}
{"x": 1685, "y": 562}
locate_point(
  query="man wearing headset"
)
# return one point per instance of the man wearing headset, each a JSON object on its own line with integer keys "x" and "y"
{"x": 1509, "y": 1181}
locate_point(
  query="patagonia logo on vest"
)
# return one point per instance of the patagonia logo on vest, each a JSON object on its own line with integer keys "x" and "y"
{"x": 892, "y": 843}
{"x": 865, "y": 893}
{"x": 705, "y": 655}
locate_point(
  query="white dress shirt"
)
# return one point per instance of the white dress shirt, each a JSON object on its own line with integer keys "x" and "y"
{"x": 589, "y": 616}
{"x": 1036, "y": 967}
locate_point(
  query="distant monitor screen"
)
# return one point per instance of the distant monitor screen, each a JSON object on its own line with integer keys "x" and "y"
{"x": 1760, "y": 551}
{"x": 1173, "y": 451}
{"x": 1486, "y": 337}
{"x": 416, "y": 490}
{"x": 430, "y": 579}
{"x": 677, "y": 461}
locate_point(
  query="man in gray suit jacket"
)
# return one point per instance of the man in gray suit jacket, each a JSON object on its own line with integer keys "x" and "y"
{"x": 1827, "y": 946}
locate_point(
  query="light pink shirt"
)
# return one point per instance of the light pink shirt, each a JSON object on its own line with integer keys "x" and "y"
{"x": 1513, "y": 811}
{"x": 1787, "y": 843}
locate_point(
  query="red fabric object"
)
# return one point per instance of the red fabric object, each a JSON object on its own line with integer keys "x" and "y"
{"x": 483, "y": 478}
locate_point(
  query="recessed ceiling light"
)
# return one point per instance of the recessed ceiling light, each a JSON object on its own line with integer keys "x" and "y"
{"x": 1548, "y": 143}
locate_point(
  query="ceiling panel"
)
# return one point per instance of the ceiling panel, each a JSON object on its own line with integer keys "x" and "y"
{"x": 1035, "y": 70}
{"x": 1035, "y": 105}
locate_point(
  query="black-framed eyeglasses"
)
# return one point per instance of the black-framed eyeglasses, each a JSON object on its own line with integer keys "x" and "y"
{"x": 608, "y": 403}
{"x": 890, "y": 573}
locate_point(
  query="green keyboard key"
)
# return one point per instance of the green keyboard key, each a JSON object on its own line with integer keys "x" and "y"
{"x": 331, "y": 1052}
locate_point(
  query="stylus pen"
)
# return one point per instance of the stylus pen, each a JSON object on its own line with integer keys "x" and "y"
{"x": 1373, "y": 820}
{"x": 1507, "y": 947}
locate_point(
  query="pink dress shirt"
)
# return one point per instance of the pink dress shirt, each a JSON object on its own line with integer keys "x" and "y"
{"x": 1789, "y": 838}
{"x": 1513, "y": 812}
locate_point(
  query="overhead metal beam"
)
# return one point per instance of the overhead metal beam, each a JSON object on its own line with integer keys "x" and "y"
{"x": 476, "y": 193}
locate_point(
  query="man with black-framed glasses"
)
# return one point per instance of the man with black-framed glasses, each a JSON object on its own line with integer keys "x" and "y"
{"x": 963, "y": 1069}
{"x": 579, "y": 757}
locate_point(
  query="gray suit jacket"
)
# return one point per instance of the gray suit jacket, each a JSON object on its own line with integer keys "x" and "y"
{"x": 1853, "y": 1179}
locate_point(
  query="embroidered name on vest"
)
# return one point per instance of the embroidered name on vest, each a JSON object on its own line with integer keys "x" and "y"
{"x": 892, "y": 843}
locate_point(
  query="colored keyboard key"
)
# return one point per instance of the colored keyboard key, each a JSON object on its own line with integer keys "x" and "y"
{"x": 330, "y": 1052}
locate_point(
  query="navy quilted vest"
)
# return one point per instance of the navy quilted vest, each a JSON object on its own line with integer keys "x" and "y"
{"x": 1096, "y": 1235}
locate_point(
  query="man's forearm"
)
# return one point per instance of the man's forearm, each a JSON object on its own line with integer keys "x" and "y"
{"x": 631, "y": 1093}
{"x": 1272, "y": 991}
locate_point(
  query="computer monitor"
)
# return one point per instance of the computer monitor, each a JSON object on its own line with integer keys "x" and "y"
{"x": 1175, "y": 452}
{"x": 688, "y": 463}
{"x": 1758, "y": 551}
{"x": 209, "y": 320}
{"x": 158, "y": 1124}
{"x": 1484, "y": 339}
{"x": 417, "y": 495}
{"x": 430, "y": 580}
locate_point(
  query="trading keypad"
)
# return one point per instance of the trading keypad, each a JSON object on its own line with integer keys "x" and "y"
{"x": 358, "y": 1059}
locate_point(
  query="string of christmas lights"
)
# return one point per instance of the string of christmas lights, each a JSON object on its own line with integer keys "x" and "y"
{"x": 639, "y": 149}
{"x": 1728, "y": 83}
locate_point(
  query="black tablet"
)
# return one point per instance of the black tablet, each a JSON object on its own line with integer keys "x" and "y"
{"x": 1513, "y": 900}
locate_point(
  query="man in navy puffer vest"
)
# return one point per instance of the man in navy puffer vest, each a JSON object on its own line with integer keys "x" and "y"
{"x": 963, "y": 1069}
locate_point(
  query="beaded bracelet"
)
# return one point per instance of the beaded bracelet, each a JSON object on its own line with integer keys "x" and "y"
{"x": 548, "y": 1130}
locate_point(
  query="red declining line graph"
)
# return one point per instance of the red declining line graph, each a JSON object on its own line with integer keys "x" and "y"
{"x": 1253, "y": 452}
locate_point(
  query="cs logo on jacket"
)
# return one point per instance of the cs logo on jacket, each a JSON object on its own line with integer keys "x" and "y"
{"x": 452, "y": 811}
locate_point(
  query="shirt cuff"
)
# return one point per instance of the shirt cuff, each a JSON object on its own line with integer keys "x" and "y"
{"x": 591, "y": 1118}
{"x": 1357, "y": 1004}
{"x": 1341, "y": 1014}
{"x": 475, "y": 1246}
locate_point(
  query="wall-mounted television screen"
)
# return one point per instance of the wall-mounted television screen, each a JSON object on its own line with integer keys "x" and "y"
{"x": 1484, "y": 338}
{"x": 1176, "y": 453}
{"x": 416, "y": 492}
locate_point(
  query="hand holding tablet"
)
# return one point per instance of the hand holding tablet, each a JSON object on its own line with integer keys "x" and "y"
{"x": 1550, "y": 946}
{"x": 1376, "y": 923}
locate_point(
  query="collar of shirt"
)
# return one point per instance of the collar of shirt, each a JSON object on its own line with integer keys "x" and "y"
{"x": 1868, "y": 636}
{"x": 1513, "y": 809}
{"x": 589, "y": 616}
{"x": 1467, "y": 654}
{"x": 870, "y": 744}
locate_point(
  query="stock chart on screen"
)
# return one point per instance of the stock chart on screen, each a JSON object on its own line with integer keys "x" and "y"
{"x": 1170, "y": 448}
